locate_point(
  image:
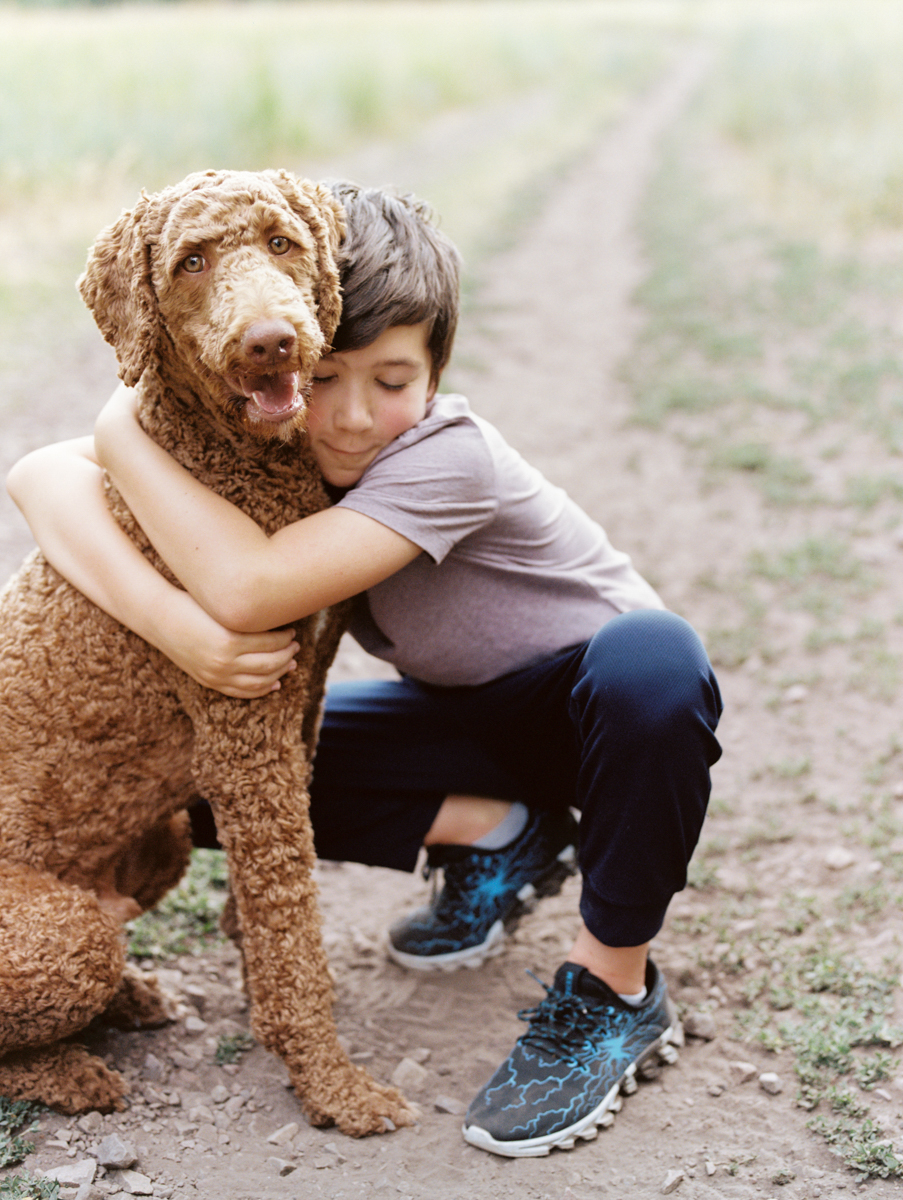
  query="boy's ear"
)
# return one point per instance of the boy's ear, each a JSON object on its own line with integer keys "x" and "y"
{"x": 325, "y": 217}
{"x": 116, "y": 286}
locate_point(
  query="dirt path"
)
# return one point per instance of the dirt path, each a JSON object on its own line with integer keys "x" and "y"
{"x": 554, "y": 322}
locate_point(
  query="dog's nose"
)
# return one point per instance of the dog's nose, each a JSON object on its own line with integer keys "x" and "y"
{"x": 268, "y": 343}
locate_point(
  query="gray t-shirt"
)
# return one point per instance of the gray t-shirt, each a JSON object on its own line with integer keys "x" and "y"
{"x": 512, "y": 570}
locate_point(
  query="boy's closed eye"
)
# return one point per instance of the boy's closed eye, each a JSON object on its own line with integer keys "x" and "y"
{"x": 387, "y": 384}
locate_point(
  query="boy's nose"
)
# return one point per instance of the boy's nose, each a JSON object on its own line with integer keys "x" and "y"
{"x": 353, "y": 414}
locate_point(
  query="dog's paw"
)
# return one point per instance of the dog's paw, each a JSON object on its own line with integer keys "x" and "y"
{"x": 354, "y": 1102}
{"x": 65, "y": 1077}
{"x": 140, "y": 1003}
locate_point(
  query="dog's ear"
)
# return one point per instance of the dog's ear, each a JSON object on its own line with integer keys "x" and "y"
{"x": 116, "y": 285}
{"x": 325, "y": 217}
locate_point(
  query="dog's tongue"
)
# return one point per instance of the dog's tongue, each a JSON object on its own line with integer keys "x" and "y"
{"x": 272, "y": 393}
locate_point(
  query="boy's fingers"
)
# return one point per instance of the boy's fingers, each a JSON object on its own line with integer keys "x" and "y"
{"x": 252, "y": 689}
{"x": 267, "y": 664}
{"x": 259, "y": 682}
{"x": 252, "y": 657}
{"x": 274, "y": 639}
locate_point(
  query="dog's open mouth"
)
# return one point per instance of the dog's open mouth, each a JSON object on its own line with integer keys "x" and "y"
{"x": 272, "y": 398}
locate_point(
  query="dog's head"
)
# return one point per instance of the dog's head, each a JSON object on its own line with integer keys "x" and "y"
{"x": 227, "y": 282}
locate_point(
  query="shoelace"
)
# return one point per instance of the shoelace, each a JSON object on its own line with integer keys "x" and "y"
{"x": 457, "y": 881}
{"x": 559, "y": 1024}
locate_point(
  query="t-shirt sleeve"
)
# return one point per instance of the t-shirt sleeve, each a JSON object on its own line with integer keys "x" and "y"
{"x": 435, "y": 490}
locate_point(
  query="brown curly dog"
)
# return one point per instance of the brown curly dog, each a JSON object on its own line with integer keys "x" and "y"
{"x": 104, "y": 742}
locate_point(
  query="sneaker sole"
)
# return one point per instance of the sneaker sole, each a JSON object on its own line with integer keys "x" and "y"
{"x": 587, "y": 1127}
{"x": 493, "y": 944}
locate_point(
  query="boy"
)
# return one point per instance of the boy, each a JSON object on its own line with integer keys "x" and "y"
{"x": 540, "y": 672}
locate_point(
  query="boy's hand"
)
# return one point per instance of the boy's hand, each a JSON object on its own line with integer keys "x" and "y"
{"x": 244, "y": 665}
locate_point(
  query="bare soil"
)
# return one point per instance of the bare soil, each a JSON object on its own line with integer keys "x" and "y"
{"x": 555, "y": 323}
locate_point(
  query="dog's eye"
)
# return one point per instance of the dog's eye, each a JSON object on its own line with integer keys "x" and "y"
{"x": 193, "y": 264}
{"x": 280, "y": 245}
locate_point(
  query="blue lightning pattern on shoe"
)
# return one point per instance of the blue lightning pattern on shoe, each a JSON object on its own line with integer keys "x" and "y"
{"x": 484, "y": 893}
{"x": 563, "y": 1077}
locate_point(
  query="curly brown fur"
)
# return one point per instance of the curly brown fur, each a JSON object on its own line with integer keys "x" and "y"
{"x": 65, "y": 1077}
{"x": 138, "y": 1003}
{"x": 218, "y": 295}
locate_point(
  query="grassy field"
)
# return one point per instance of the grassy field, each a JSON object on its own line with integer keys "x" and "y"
{"x": 253, "y": 85}
{"x": 489, "y": 98}
{"x": 808, "y": 98}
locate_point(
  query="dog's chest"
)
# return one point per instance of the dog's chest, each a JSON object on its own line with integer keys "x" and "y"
{"x": 273, "y": 497}
{"x": 275, "y": 483}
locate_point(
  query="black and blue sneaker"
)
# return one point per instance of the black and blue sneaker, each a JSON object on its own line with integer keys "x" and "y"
{"x": 484, "y": 894}
{"x": 564, "y": 1077}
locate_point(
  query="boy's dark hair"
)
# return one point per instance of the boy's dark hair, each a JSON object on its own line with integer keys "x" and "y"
{"x": 396, "y": 268}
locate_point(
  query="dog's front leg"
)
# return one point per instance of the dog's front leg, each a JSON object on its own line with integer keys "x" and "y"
{"x": 257, "y": 786}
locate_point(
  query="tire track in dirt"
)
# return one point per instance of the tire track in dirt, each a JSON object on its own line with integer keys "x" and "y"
{"x": 557, "y": 307}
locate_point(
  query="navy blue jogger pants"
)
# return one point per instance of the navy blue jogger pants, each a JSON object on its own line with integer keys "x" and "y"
{"x": 621, "y": 727}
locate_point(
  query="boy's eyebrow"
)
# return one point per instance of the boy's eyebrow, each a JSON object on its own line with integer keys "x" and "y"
{"x": 385, "y": 362}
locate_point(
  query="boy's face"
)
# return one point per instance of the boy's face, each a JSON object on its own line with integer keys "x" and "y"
{"x": 363, "y": 399}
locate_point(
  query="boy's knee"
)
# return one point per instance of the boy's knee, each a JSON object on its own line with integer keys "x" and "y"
{"x": 648, "y": 669}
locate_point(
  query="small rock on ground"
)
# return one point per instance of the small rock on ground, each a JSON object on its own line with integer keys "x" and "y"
{"x": 409, "y": 1075}
{"x": 700, "y": 1025}
{"x": 673, "y": 1180}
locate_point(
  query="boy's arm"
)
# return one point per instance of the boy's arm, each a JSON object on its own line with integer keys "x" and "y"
{"x": 243, "y": 578}
{"x": 60, "y": 491}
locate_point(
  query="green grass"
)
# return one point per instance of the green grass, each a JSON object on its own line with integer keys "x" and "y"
{"x": 862, "y": 1144}
{"x": 868, "y": 491}
{"x": 246, "y": 87}
{"x": 833, "y": 1016}
{"x": 817, "y": 1002}
{"x": 187, "y": 919}
{"x": 16, "y": 1116}
{"x": 808, "y": 94}
{"x": 782, "y": 478}
{"x": 878, "y": 673}
{"x": 702, "y": 873}
{"x": 799, "y": 911}
{"x": 825, "y": 558}
{"x": 28, "y": 1187}
{"x": 476, "y": 106}
{"x": 231, "y": 1046}
{"x": 823, "y": 576}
